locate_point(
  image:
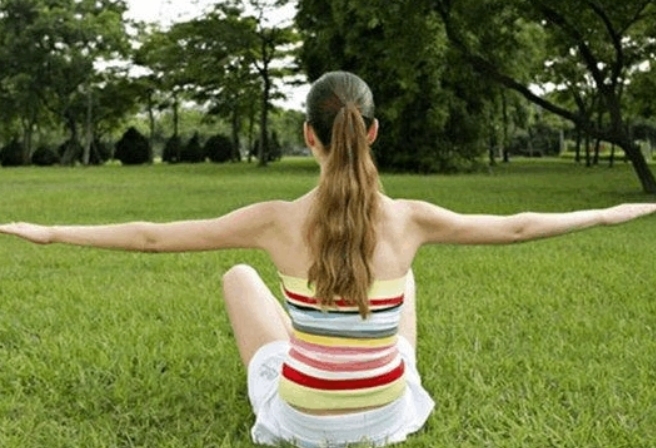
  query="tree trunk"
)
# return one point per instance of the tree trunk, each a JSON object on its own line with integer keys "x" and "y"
{"x": 611, "y": 161}
{"x": 640, "y": 166}
{"x": 236, "y": 153}
{"x": 71, "y": 154}
{"x": 28, "y": 132}
{"x": 492, "y": 155}
{"x": 600, "y": 122}
{"x": 251, "y": 133}
{"x": 88, "y": 141}
{"x": 577, "y": 150}
{"x": 506, "y": 125}
{"x": 530, "y": 142}
{"x": 151, "y": 124}
{"x": 176, "y": 115}
{"x": 263, "y": 150}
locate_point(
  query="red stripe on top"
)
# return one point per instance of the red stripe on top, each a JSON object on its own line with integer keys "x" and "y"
{"x": 392, "y": 301}
{"x": 343, "y": 366}
{"x": 361, "y": 383}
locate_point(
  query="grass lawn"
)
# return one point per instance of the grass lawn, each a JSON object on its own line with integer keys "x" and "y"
{"x": 546, "y": 344}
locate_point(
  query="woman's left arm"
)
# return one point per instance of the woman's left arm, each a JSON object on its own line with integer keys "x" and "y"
{"x": 247, "y": 227}
{"x": 438, "y": 225}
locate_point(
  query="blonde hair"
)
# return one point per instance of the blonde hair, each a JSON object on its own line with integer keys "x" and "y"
{"x": 341, "y": 226}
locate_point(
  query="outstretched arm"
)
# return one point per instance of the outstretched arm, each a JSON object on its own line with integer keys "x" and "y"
{"x": 434, "y": 224}
{"x": 247, "y": 227}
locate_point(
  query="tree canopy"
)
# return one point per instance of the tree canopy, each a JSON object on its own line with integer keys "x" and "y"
{"x": 437, "y": 71}
{"x": 453, "y": 79}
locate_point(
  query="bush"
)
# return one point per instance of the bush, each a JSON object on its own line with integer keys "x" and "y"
{"x": 133, "y": 148}
{"x": 44, "y": 156}
{"x": 193, "y": 152}
{"x": 12, "y": 154}
{"x": 273, "y": 152}
{"x": 172, "y": 150}
{"x": 219, "y": 149}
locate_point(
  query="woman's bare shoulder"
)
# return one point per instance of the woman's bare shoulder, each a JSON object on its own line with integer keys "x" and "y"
{"x": 399, "y": 207}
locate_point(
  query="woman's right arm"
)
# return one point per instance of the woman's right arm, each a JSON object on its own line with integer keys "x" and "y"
{"x": 433, "y": 224}
{"x": 248, "y": 227}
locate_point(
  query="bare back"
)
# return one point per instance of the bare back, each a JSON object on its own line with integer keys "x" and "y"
{"x": 395, "y": 247}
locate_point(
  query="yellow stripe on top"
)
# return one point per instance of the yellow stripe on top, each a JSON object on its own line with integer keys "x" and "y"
{"x": 331, "y": 341}
{"x": 298, "y": 395}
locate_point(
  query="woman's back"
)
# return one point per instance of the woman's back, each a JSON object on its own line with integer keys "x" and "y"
{"x": 289, "y": 250}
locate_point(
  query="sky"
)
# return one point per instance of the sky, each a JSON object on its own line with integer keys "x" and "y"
{"x": 166, "y": 12}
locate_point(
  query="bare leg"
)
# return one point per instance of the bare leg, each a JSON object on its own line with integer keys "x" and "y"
{"x": 256, "y": 317}
{"x": 408, "y": 323}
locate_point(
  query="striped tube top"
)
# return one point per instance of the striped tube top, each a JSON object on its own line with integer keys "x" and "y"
{"x": 337, "y": 360}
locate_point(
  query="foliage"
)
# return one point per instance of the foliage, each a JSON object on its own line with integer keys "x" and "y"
{"x": 44, "y": 156}
{"x": 223, "y": 60}
{"x": 192, "y": 152}
{"x": 133, "y": 148}
{"x": 70, "y": 152}
{"x": 172, "y": 150}
{"x": 219, "y": 149}
{"x": 12, "y": 154}
{"x": 50, "y": 52}
{"x": 425, "y": 103}
{"x": 288, "y": 125}
{"x": 273, "y": 151}
{"x": 590, "y": 51}
{"x": 101, "y": 152}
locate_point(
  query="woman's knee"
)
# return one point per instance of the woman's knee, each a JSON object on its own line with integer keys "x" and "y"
{"x": 237, "y": 273}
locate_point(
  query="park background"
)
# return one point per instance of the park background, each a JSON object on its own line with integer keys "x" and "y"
{"x": 485, "y": 107}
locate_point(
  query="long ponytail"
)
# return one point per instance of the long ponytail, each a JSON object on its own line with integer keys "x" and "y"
{"x": 341, "y": 227}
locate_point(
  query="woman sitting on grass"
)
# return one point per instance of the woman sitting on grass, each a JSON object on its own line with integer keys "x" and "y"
{"x": 338, "y": 366}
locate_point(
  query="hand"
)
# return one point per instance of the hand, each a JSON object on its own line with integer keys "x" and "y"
{"x": 30, "y": 232}
{"x": 626, "y": 212}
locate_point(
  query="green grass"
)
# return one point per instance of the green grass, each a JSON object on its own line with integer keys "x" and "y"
{"x": 547, "y": 344}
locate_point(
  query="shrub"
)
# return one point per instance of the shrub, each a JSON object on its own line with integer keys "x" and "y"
{"x": 193, "y": 152}
{"x": 44, "y": 156}
{"x": 133, "y": 148}
{"x": 219, "y": 149}
{"x": 12, "y": 154}
{"x": 172, "y": 150}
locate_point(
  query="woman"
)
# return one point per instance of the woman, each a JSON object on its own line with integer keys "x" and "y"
{"x": 338, "y": 366}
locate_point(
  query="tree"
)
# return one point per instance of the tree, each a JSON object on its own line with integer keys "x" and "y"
{"x": 428, "y": 107}
{"x": 220, "y": 68}
{"x": 164, "y": 54}
{"x": 271, "y": 41}
{"x": 605, "y": 40}
{"x": 49, "y": 54}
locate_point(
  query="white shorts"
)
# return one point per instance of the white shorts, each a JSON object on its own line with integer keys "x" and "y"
{"x": 276, "y": 421}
